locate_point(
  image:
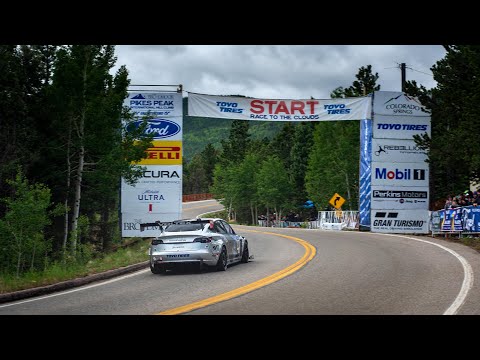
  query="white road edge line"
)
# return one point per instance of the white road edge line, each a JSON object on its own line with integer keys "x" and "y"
{"x": 78, "y": 289}
{"x": 467, "y": 278}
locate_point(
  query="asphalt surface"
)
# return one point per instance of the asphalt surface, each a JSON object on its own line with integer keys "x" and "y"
{"x": 352, "y": 273}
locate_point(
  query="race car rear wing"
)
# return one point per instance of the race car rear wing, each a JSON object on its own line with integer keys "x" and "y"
{"x": 160, "y": 225}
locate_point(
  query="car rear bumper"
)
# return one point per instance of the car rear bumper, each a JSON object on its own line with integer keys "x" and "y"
{"x": 168, "y": 257}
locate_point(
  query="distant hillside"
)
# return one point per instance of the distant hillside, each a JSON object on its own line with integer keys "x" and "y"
{"x": 199, "y": 131}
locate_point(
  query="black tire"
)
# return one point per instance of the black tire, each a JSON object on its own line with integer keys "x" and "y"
{"x": 245, "y": 254}
{"x": 157, "y": 269}
{"x": 222, "y": 260}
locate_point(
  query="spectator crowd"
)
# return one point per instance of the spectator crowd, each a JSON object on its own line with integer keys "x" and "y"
{"x": 467, "y": 198}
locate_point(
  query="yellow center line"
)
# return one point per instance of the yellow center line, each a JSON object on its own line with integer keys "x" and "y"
{"x": 310, "y": 252}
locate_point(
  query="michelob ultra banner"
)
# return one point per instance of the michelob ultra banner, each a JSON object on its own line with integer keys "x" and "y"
{"x": 246, "y": 108}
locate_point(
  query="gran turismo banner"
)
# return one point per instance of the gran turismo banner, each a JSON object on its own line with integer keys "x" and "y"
{"x": 246, "y": 108}
{"x": 400, "y": 221}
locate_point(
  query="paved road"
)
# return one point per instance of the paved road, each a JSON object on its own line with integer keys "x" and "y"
{"x": 351, "y": 273}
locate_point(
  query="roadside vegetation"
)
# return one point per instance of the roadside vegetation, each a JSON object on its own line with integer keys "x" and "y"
{"x": 63, "y": 155}
{"x": 134, "y": 251}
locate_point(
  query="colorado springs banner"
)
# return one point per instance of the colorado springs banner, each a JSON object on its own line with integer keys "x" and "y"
{"x": 245, "y": 108}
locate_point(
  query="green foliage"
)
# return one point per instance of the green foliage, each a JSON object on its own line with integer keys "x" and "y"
{"x": 333, "y": 163}
{"x": 198, "y": 173}
{"x": 59, "y": 271}
{"x": 22, "y": 228}
{"x": 273, "y": 186}
{"x": 453, "y": 148}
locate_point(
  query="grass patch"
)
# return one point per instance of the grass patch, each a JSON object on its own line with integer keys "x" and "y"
{"x": 123, "y": 256}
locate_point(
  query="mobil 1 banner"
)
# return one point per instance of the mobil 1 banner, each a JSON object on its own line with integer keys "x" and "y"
{"x": 397, "y": 103}
{"x": 400, "y": 174}
{"x": 131, "y": 223}
{"x": 400, "y": 127}
{"x": 399, "y": 198}
{"x": 400, "y": 221}
{"x": 397, "y": 151}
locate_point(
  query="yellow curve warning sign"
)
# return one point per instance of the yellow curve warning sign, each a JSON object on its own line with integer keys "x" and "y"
{"x": 337, "y": 201}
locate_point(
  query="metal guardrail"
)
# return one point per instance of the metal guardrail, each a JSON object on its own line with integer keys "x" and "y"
{"x": 326, "y": 220}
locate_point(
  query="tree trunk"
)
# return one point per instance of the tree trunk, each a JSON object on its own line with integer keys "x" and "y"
{"x": 105, "y": 229}
{"x": 69, "y": 169}
{"x": 81, "y": 161}
{"x": 33, "y": 256}
{"x": 348, "y": 191}
{"x": 252, "y": 213}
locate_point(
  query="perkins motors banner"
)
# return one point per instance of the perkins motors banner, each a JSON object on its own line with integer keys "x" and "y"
{"x": 394, "y": 197}
{"x": 245, "y": 108}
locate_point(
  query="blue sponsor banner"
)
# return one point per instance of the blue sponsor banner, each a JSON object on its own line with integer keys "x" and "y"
{"x": 365, "y": 172}
{"x": 452, "y": 220}
{"x": 471, "y": 219}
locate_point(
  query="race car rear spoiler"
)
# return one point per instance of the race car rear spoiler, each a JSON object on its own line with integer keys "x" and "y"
{"x": 160, "y": 225}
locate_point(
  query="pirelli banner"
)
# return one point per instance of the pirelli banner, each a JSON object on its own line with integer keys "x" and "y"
{"x": 246, "y": 108}
{"x": 157, "y": 195}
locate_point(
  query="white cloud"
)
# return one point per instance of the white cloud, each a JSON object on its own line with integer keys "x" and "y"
{"x": 275, "y": 71}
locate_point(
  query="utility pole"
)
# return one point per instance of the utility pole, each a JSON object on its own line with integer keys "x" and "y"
{"x": 402, "y": 67}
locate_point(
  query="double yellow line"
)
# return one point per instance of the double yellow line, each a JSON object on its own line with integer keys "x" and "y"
{"x": 310, "y": 252}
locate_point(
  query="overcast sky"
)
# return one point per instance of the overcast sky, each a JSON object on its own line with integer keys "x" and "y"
{"x": 275, "y": 71}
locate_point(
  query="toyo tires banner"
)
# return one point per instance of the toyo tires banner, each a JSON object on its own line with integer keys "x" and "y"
{"x": 246, "y": 108}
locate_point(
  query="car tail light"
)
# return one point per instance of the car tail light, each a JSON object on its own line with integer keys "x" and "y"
{"x": 203, "y": 239}
{"x": 157, "y": 241}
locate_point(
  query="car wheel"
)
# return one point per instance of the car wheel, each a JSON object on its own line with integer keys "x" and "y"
{"x": 245, "y": 254}
{"x": 222, "y": 260}
{"x": 157, "y": 269}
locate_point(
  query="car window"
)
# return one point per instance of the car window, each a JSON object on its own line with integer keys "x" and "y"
{"x": 228, "y": 228}
{"x": 184, "y": 227}
{"x": 218, "y": 227}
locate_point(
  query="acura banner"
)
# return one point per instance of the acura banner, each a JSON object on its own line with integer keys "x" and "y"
{"x": 246, "y": 108}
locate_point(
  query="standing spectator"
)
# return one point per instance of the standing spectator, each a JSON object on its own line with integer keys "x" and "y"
{"x": 448, "y": 203}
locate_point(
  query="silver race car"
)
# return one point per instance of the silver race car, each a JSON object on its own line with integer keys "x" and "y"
{"x": 207, "y": 241}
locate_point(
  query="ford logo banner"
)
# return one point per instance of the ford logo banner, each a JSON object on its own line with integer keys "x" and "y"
{"x": 160, "y": 128}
